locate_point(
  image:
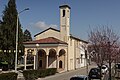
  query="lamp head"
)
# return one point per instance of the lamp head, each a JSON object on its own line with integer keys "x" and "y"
{"x": 27, "y": 9}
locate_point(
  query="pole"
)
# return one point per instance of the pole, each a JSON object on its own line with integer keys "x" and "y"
{"x": 16, "y": 44}
{"x": 17, "y": 38}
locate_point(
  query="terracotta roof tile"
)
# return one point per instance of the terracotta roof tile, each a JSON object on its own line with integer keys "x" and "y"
{"x": 49, "y": 40}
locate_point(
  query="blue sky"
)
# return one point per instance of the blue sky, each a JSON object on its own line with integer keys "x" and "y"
{"x": 85, "y": 15}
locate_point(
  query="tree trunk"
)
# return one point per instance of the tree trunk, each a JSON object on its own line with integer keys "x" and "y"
{"x": 109, "y": 70}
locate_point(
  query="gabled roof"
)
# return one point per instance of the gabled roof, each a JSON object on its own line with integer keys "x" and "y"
{"x": 49, "y": 40}
{"x": 47, "y": 30}
{"x": 78, "y": 39}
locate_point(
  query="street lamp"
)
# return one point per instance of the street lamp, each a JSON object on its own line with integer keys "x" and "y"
{"x": 17, "y": 38}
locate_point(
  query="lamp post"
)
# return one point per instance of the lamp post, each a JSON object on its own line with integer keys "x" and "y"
{"x": 17, "y": 38}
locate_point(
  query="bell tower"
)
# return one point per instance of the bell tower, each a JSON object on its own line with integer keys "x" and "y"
{"x": 64, "y": 22}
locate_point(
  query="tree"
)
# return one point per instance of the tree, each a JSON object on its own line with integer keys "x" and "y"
{"x": 8, "y": 27}
{"x": 27, "y": 36}
{"x": 105, "y": 44}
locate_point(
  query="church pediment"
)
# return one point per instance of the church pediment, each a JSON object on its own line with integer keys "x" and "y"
{"x": 47, "y": 30}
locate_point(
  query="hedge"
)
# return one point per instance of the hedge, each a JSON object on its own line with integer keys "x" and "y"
{"x": 34, "y": 74}
{"x": 8, "y": 76}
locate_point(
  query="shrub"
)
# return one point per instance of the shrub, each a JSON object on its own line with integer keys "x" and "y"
{"x": 34, "y": 74}
{"x": 30, "y": 74}
{"x": 8, "y": 76}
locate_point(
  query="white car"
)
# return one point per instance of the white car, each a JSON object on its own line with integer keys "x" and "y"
{"x": 104, "y": 69}
{"x": 79, "y": 77}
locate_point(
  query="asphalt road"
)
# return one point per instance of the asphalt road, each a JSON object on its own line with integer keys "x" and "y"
{"x": 69, "y": 74}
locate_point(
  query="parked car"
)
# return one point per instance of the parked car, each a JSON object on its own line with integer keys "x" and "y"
{"x": 79, "y": 77}
{"x": 94, "y": 73}
{"x": 104, "y": 69}
{"x": 117, "y": 66}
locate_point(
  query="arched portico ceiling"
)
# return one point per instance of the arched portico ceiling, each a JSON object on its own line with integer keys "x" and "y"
{"x": 41, "y": 52}
{"x": 62, "y": 52}
{"x": 52, "y": 52}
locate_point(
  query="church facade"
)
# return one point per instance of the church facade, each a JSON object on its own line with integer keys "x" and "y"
{"x": 54, "y": 48}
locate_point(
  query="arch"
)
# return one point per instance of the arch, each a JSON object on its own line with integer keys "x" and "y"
{"x": 62, "y": 58}
{"x": 30, "y": 58}
{"x": 60, "y": 64}
{"x": 41, "y": 59}
{"x": 62, "y": 52}
{"x": 52, "y": 53}
{"x": 52, "y": 58}
{"x": 41, "y": 53}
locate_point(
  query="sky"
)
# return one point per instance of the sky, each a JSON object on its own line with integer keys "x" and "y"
{"x": 85, "y": 15}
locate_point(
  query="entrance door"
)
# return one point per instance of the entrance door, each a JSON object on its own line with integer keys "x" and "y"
{"x": 60, "y": 64}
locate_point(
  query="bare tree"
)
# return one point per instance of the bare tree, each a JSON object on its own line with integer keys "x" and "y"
{"x": 105, "y": 44}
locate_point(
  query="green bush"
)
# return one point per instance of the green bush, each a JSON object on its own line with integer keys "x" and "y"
{"x": 30, "y": 74}
{"x": 8, "y": 76}
{"x": 34, "y": 74}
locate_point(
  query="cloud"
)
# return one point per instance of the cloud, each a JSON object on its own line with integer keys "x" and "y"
{"x": 42, "y": 25}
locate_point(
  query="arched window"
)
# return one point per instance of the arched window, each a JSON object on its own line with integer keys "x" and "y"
{"x": 81, "y": 58}
{"x": 60, "y": 64}
{"x": 63, "y": 13}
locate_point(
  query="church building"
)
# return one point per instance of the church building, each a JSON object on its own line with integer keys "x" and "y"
{"x": 54, "y": 48}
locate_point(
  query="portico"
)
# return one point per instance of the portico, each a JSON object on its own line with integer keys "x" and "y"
{"x": 47, "y": 54}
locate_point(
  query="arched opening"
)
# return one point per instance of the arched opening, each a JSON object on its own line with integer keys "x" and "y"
{"x": 60, "y": 64}
{"x": 52, "y": 58}
{"x": 30, "y": 58}
{"x": 63, "y": 13}
{"x": 62, "y": 58}
{"x": 41, "y": 59}
{"x": 61, "y": 52}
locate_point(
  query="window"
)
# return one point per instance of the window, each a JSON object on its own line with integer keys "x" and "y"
{"x": 81, "y": 58}
{"x": 63, "y": 13}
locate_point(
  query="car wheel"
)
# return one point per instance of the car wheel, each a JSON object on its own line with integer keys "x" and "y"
{"x": 89, "y": 78}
